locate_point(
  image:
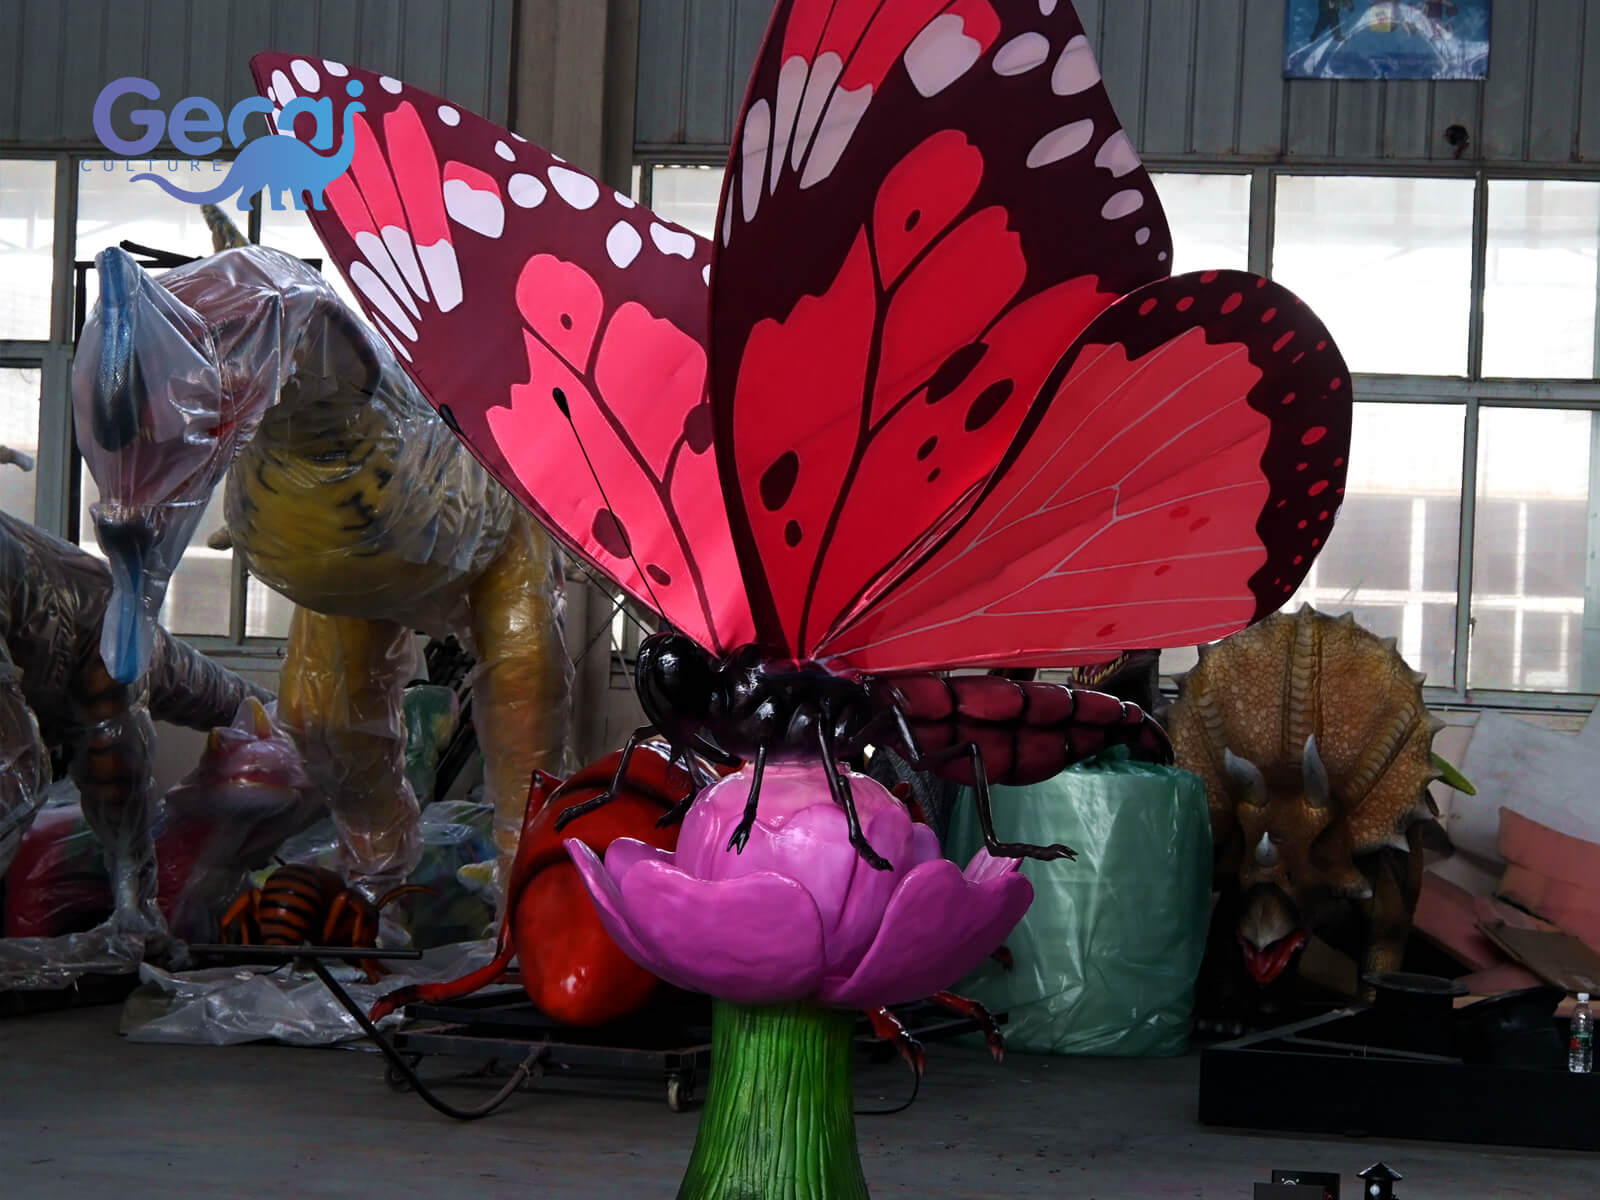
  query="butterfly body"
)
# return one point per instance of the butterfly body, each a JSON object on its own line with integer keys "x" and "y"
{"x": 974, "y": 729}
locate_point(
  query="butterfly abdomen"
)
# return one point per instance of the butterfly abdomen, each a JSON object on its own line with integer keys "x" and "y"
{"x": 1025, "y": 732}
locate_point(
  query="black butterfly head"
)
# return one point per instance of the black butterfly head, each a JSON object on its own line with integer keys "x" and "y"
{"x": 678, "y": 681}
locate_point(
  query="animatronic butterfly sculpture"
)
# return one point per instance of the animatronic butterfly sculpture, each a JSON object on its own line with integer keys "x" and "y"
{"x": 930, "y": 401}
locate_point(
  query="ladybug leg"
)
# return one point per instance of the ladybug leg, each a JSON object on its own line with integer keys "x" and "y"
{"x": 840, "y": 787}
{"x": 330, "y": 926}
{"x": 572, "y": 813}
{"x": 888, "y": 1028}
{"x": 236, "y": 916}
{"x": 741, "y": 832}
{"x": 980, "y": 1014}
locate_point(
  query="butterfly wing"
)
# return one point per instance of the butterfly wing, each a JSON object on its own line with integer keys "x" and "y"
{"x": 1174, "y": 482}
{"x": 926, "y": 201}
{"x": 500, "y": 274}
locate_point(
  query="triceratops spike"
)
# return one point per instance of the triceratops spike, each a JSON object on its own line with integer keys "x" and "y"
{"x": 1180, "y": 680}
{"x": 1388, "y": 643}
{"x": 1419, "y": 677}
{"x": 1435, "y": 724}
{"x": 1398, "y": 841}
{"x": 1348, "y": 618}
{"x": 1246, "y": 778}
{"x": 1266, "y": 852}
{"x": 1315, "y": 776}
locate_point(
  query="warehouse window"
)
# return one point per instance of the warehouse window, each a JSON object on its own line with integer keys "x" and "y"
{"x": 27, "y": 234}
{"x": 1209, "y": 216}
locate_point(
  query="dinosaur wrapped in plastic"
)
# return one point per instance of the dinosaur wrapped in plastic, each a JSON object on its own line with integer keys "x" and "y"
{"x": 347, "y": 494}
{"x": 56, "y": 691}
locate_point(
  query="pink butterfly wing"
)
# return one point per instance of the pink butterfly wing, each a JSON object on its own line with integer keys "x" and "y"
{"x": 500, "y": 274}
{"x": 1174, "y": 484}
{"x": 925, "y": 203}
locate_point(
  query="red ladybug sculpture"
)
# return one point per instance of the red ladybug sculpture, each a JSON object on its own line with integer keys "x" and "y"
{"x": 570, "y": 967}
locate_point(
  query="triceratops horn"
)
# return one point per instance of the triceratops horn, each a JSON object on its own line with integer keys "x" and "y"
{"x": 1318, "y": 794}
{"x": 1266, "y": 852}
{"x": 1246, "y": 778}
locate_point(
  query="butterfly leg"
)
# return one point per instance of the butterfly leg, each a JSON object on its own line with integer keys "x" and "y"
{"x": 741, "y": 832}
{"x": 568, "y": 815}
{"x": 980, "y": 790}
{"x": 840, "y": 787}
{"x": 980, "y": 1014}
{"x": 697, "y": 746}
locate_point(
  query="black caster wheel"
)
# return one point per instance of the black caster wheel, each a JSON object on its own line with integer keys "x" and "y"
{"x": 680, "y": 1093}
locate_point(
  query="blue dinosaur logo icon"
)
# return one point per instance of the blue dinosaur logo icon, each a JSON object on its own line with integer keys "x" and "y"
{"x": 278, "y": 163}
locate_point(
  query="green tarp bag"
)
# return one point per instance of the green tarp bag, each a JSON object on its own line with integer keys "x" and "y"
{"x": 1105, "y": 960}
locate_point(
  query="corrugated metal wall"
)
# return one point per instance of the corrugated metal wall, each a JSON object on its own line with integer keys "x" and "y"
{"x": 55, "y": 54}
{"x": 1203, "y": 79}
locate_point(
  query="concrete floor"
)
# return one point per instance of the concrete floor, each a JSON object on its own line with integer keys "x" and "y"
{"x": 85, "y": 1114}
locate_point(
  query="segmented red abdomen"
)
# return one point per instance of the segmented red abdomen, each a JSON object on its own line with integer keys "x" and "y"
{"x": 1025, "y": 732}
{"x": 294, "y": 904}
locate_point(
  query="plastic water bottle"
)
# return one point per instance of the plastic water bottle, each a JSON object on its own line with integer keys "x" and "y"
{"x": 1580, "y": 1050}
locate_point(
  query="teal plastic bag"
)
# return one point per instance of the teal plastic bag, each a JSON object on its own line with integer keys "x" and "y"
{"x": 1105, "y": 960}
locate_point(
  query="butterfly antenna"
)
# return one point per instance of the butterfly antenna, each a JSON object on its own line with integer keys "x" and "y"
{"x": 566, "y": 411}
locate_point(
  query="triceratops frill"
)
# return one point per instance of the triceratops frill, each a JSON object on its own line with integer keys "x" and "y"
{"x": 1316, "y": 750}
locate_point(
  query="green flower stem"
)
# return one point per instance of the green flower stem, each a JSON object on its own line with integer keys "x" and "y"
{"x": 778, "y": 1122}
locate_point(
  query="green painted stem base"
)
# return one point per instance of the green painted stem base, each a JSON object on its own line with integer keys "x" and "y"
{"x": 778, "y": 1122}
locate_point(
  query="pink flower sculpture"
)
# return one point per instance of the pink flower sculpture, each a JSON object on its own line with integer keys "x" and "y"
{"x": 798, "y": 915}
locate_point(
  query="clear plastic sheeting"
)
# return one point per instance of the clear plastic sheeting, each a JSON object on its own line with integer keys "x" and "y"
{"x": 225, "y": 1006}
{"x": 24, "y": 762}
{"x": 1105, "y": 960}
{"x": 53, "y": 598}
{"x": 46, "y": 963}
{"x": 348, "y": 495}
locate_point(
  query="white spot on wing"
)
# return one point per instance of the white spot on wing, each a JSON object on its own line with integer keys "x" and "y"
{"x": 1046, "y": 7}
{"x": 824, "y": 72}
{"x": 1061, "y": 142}
{"x": 625, "y": 201}
{"x": 337, "y": 69}
{"x": 389, "y": 84}
{"x": 505, "y": 151}
{"x": 374, "y": 250}
{"x": 1022, "y": 53}
{"x": 306, "y": 75}
{"x": 791, "y": 84}
{"x": 382, "y": 298}
{"x": 1141, "y": 235}
{"x": 449, "y": 115}
{"x": 444, "y": 274}
{"x": 753, "y": 155}
{"x": 392, "y": 339}
{"x": 479, "y": 210}
{"x": 1117, "y": 155}
{"x": 398, "y": 242}
{"x": 705, "y": 274}
{"x": 574, "y": 187}
{"x": 671, "y": 241}
{"x": 727, "y": 221}
{"x": 1129, "y": 200}
{"x": 838, "y": 127}
{"x": 1076, "y": 70}
{"x": 623, "y": 243}
{"x": 282, "y": 90}
{"x": 941, "y": 54}
{"x": 525, "y": 191}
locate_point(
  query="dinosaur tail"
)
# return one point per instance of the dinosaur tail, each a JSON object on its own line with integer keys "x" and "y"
{"x": 221, "y": 192}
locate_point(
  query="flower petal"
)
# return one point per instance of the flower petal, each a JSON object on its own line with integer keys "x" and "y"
{"x": 985, "y": 866}
{"x": 924, "y": 847}
{"x": 753, "y": 940}
{"x": 938, "y": 926}
{"x": 624, "y": 853}
{"x": 608, "y": 902}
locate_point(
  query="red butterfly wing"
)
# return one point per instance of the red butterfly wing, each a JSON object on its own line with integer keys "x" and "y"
{"x": 925, "y": 203}
{"x": 1174, "y": 482}
{"x": 500, "y": 274}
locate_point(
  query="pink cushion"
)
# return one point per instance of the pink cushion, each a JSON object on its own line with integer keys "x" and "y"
{"x": 1555, "y": 855}
{"x": 1449, "y": 915}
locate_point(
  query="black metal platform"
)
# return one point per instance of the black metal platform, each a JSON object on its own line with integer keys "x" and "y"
{"x": 1341, "y": 1074}
{"x": 669, "y": 1045}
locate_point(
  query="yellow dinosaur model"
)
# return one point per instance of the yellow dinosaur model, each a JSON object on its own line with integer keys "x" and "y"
{"x": 346, "y": 494}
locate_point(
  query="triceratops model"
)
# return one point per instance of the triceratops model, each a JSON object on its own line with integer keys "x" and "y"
{"x": 1316, "y": 750}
